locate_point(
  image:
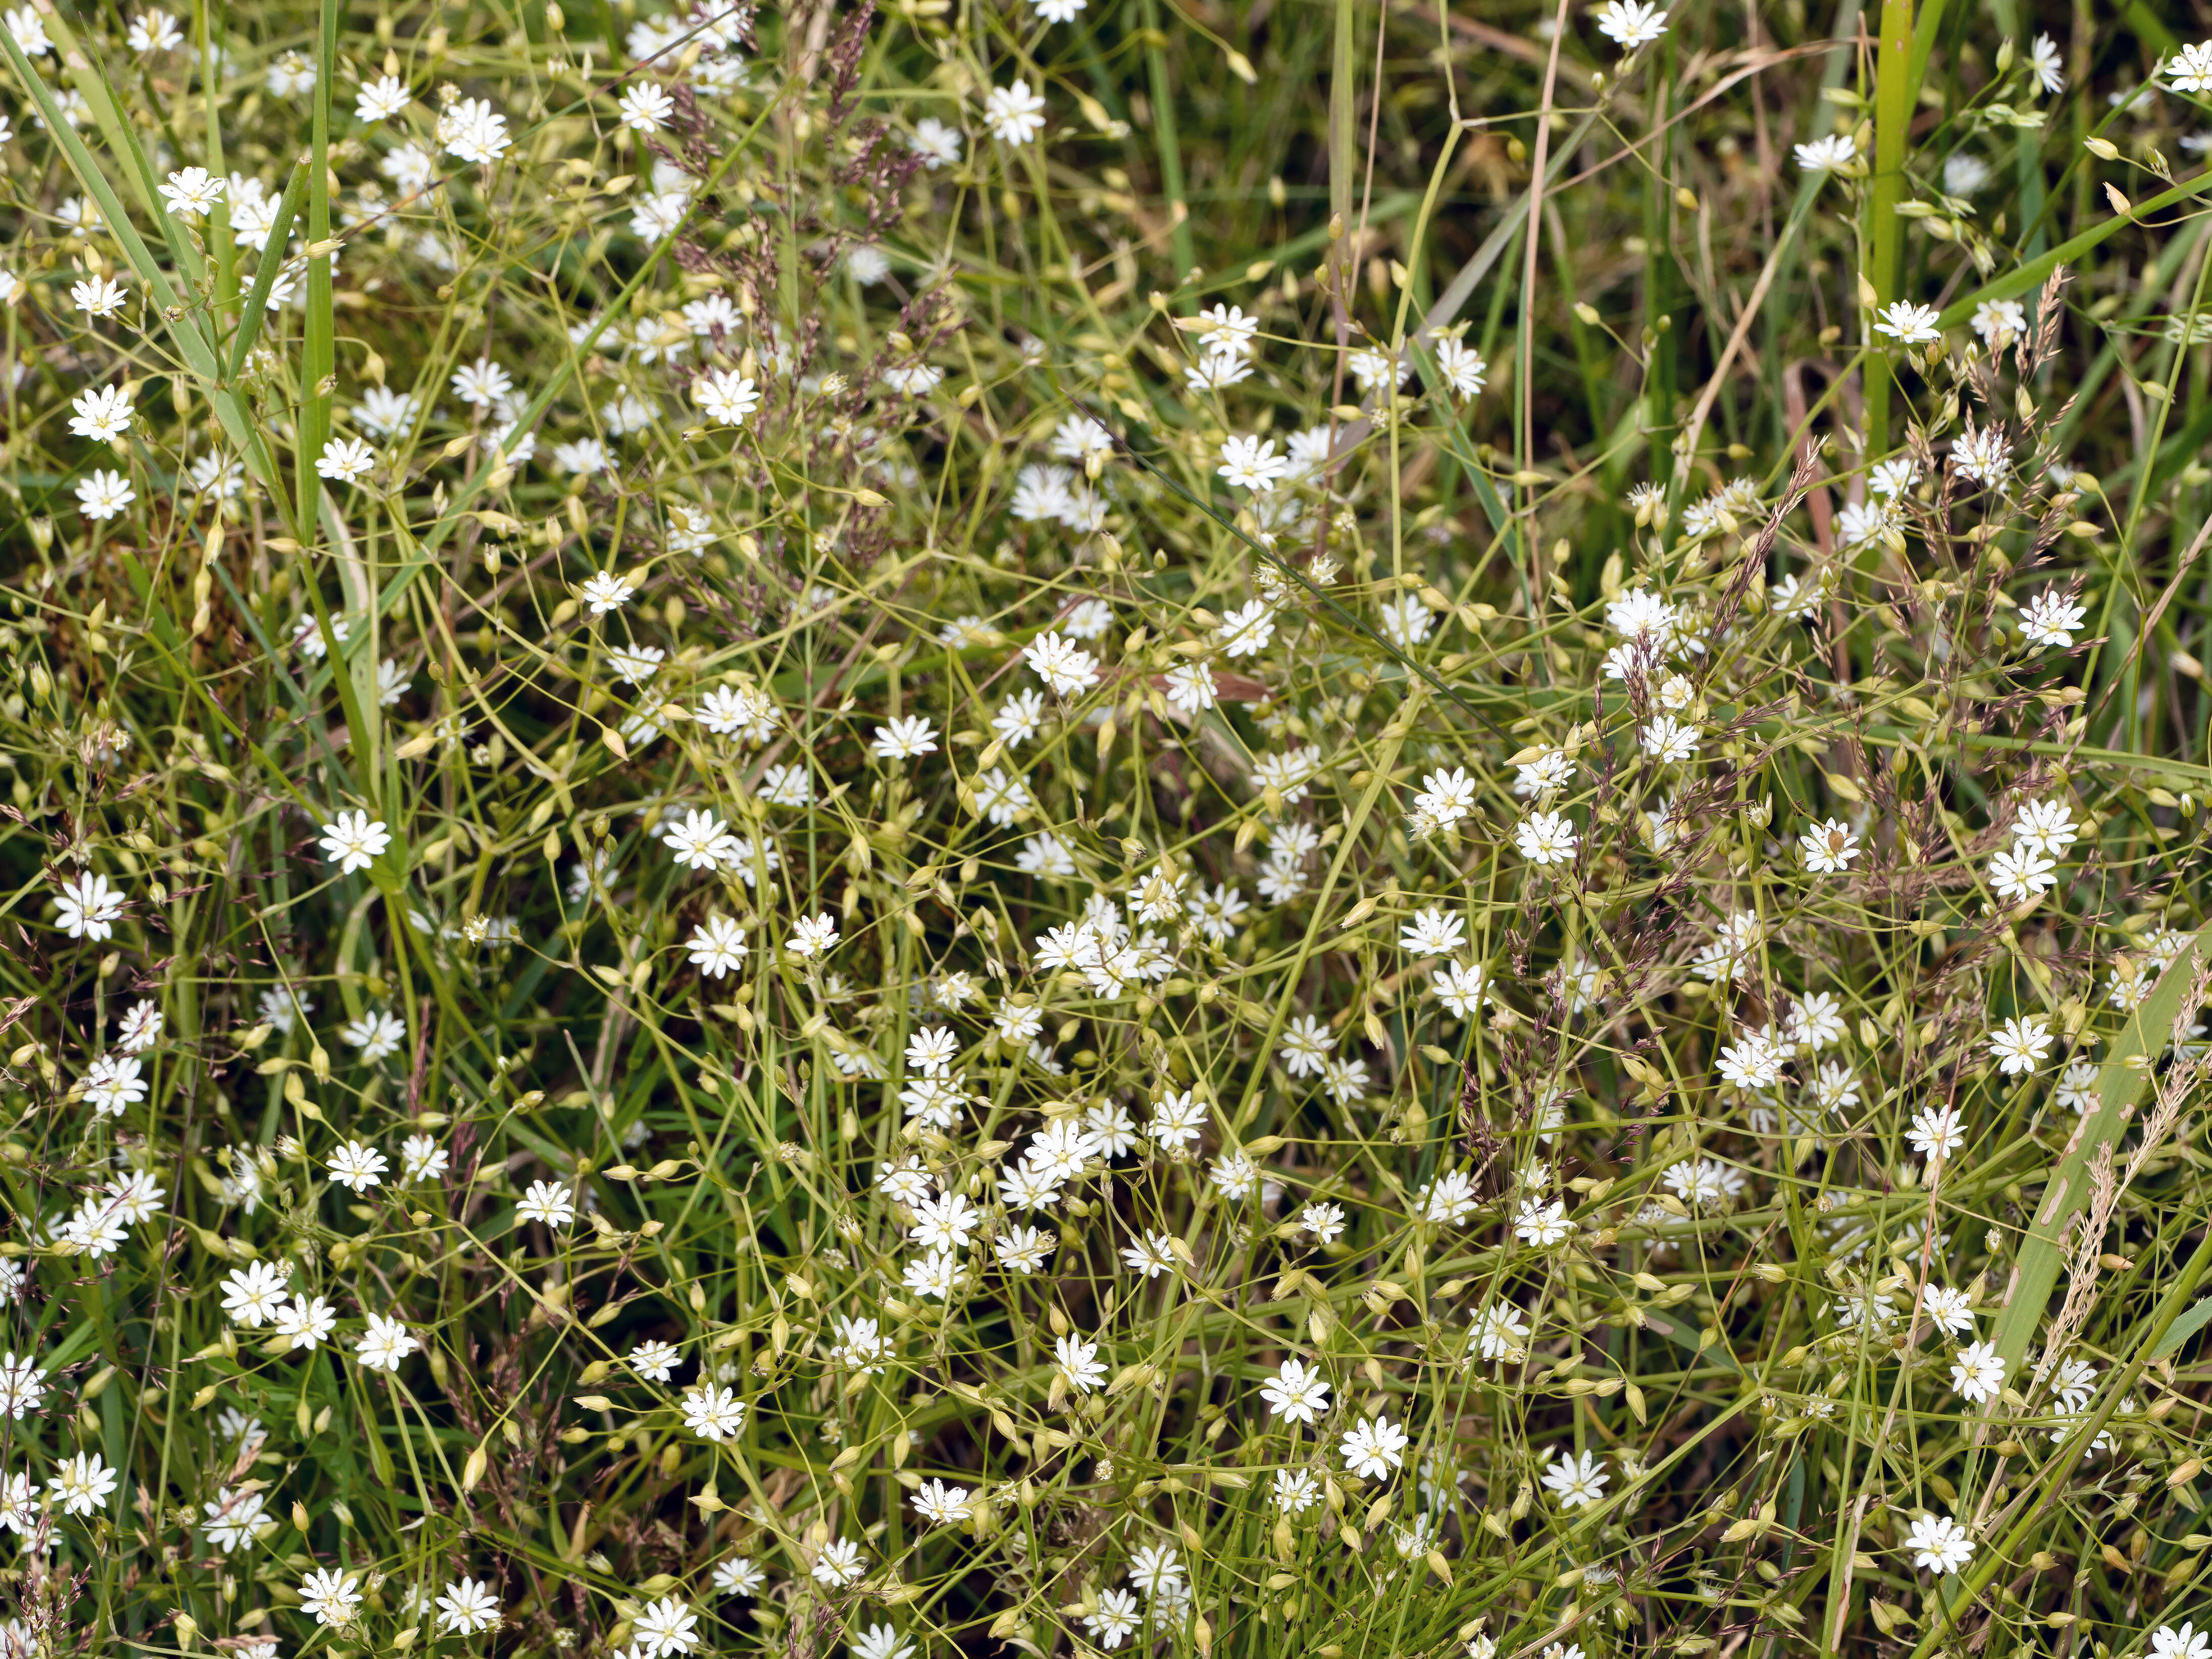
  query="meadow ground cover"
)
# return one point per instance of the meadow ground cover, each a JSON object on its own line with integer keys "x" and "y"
{"x": 1213, "y": 826}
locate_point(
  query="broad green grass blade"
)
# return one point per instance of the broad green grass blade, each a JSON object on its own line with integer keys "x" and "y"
{"x": 2121, "y": 1082}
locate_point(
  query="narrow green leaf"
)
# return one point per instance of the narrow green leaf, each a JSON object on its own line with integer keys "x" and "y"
{"x": 2120, "y": 1086}
{"x": 2031, "y": 276}
{"x": 192, "y": 344}
{"x": 264, "y": 276}
{"x": 2183, "y": 1329}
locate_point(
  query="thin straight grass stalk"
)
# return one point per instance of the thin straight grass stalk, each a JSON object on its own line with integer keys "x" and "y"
{"x": 1169, "y": 148}
{"x": 1524, "y": 389}
{"x": 319, "y": 356}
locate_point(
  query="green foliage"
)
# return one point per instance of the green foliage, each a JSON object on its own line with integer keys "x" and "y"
{"x": 963, "y": 829}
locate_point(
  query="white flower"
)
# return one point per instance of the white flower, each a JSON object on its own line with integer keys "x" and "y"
{"x": 358, "y": 1166}
{"x": 192, "y": 192}
{"x": 1250, "y": 463}
{"x": 1191, "y": 689}
{"x": 103, "y": 495}
{"x": 2186, "y": 1643}
{"x": 253, "y": 1294}
{"x": 2047, "y": 826}
{"x": 1214, "y": 914}
{"x": 28, "y": 30}
{"x": 1937, "y": 1133}
{"x": 1462, "y": 367}
{"x": 1296, "y": 1392}
{"x": 1909, "y": 323}
{"x": 1500, "y": 1335}
{"x": 1949, "y": 1311}
{"x": 345, "y": 459}
{"x": 1540, "y": 1224}
{"x": 88, "y": 907}
{"x": 1576, "y": 1479}
{"x": 2000, "y": 323}
{"x": 1938, "y": 1543}
{"x": 717, "y": 946}
{"x": 1405, "y": 620}
{"x": 1965, "y": 174}
{"x": 1830, "y": 845}
{"x": 22, "y": 1385}
{"x": 1754, "y": 1063}
{"x": 1984, "y": 456}
{"x": 713, "y": 1412}
{"x": 667, "y": 1626}
{"x": 1631, "y": 23}
{"x": 82, "y": 1485}
{"x": 1295, "y": 1490}
{"x": 381, "y": 98}
{"x": 2043, "y": 64}
{"x": 1371, "y": 366}
{"x": 2051, "y": 618}
{"x": 1977, "y": 1372}
{"x": 377, "y": 1033}
{"x": 726, "y": 396}
{"x": 1463, "y": 988}
{"x": 1245, "y": 631}
{"x": 1115, "y": 1620}
{"x": 1374, "y": 1447}
{"x": 354, "y": 841}
{"x": 2021, "y": 873}
{"x": 481, "y": 384}
{"x": 905, "y": 738}
{"x": 881, "y": 1642}
{"x": 231, "y": 1518}
{"x": 738, "y": 1576}
{"x": 329, "y": 1594}
{"x": 1324, "y": 1221}
{"x": 549, "y": 1201}
{"x": 604, "y": 590}
{"x": 475, "y": 132}
{"x": 1432, "y": 932}
{"x": 2189, "y": 69}
{"x": 1023, "y": 1249}
{"x": 937, "y": 144}
{"x": 1177, "y": 1121}
{"x": 645, "y": 108}
{"x": 1545, "y": 838}
{"x": 1062, "y": 663}
{"x": 1077, "y": 1362}
{"x": 1827, "y": 155}
{"x": 2019, "y": 1045}
{"x": 466, "y": 1606}
{"x": 384, "y": 1344}
{"x": 1014, "y": 114}
{"x": 839, "y": 1564}
{"x": 1447, "y": 1201}
{"x": 101, "y": 414}
{"x": 812, "y": 936}
{"x": 1668, "y": 740}
{"x": 308, "y": 1323}
{"x": 941, "y": 1504}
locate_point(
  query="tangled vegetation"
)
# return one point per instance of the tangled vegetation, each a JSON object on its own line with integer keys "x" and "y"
{"x": 1229, "y": 829}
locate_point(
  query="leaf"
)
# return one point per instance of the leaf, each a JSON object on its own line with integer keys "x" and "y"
{"x": 2183, "y": 1327}
{"x": 2120, "y": 1085}
{"x": 264, "y": 274}
{"x": 183, "y": 319}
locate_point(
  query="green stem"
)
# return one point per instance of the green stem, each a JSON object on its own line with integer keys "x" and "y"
{"x": 1893, "y": 118}
{"x": 1163, "y": 134}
